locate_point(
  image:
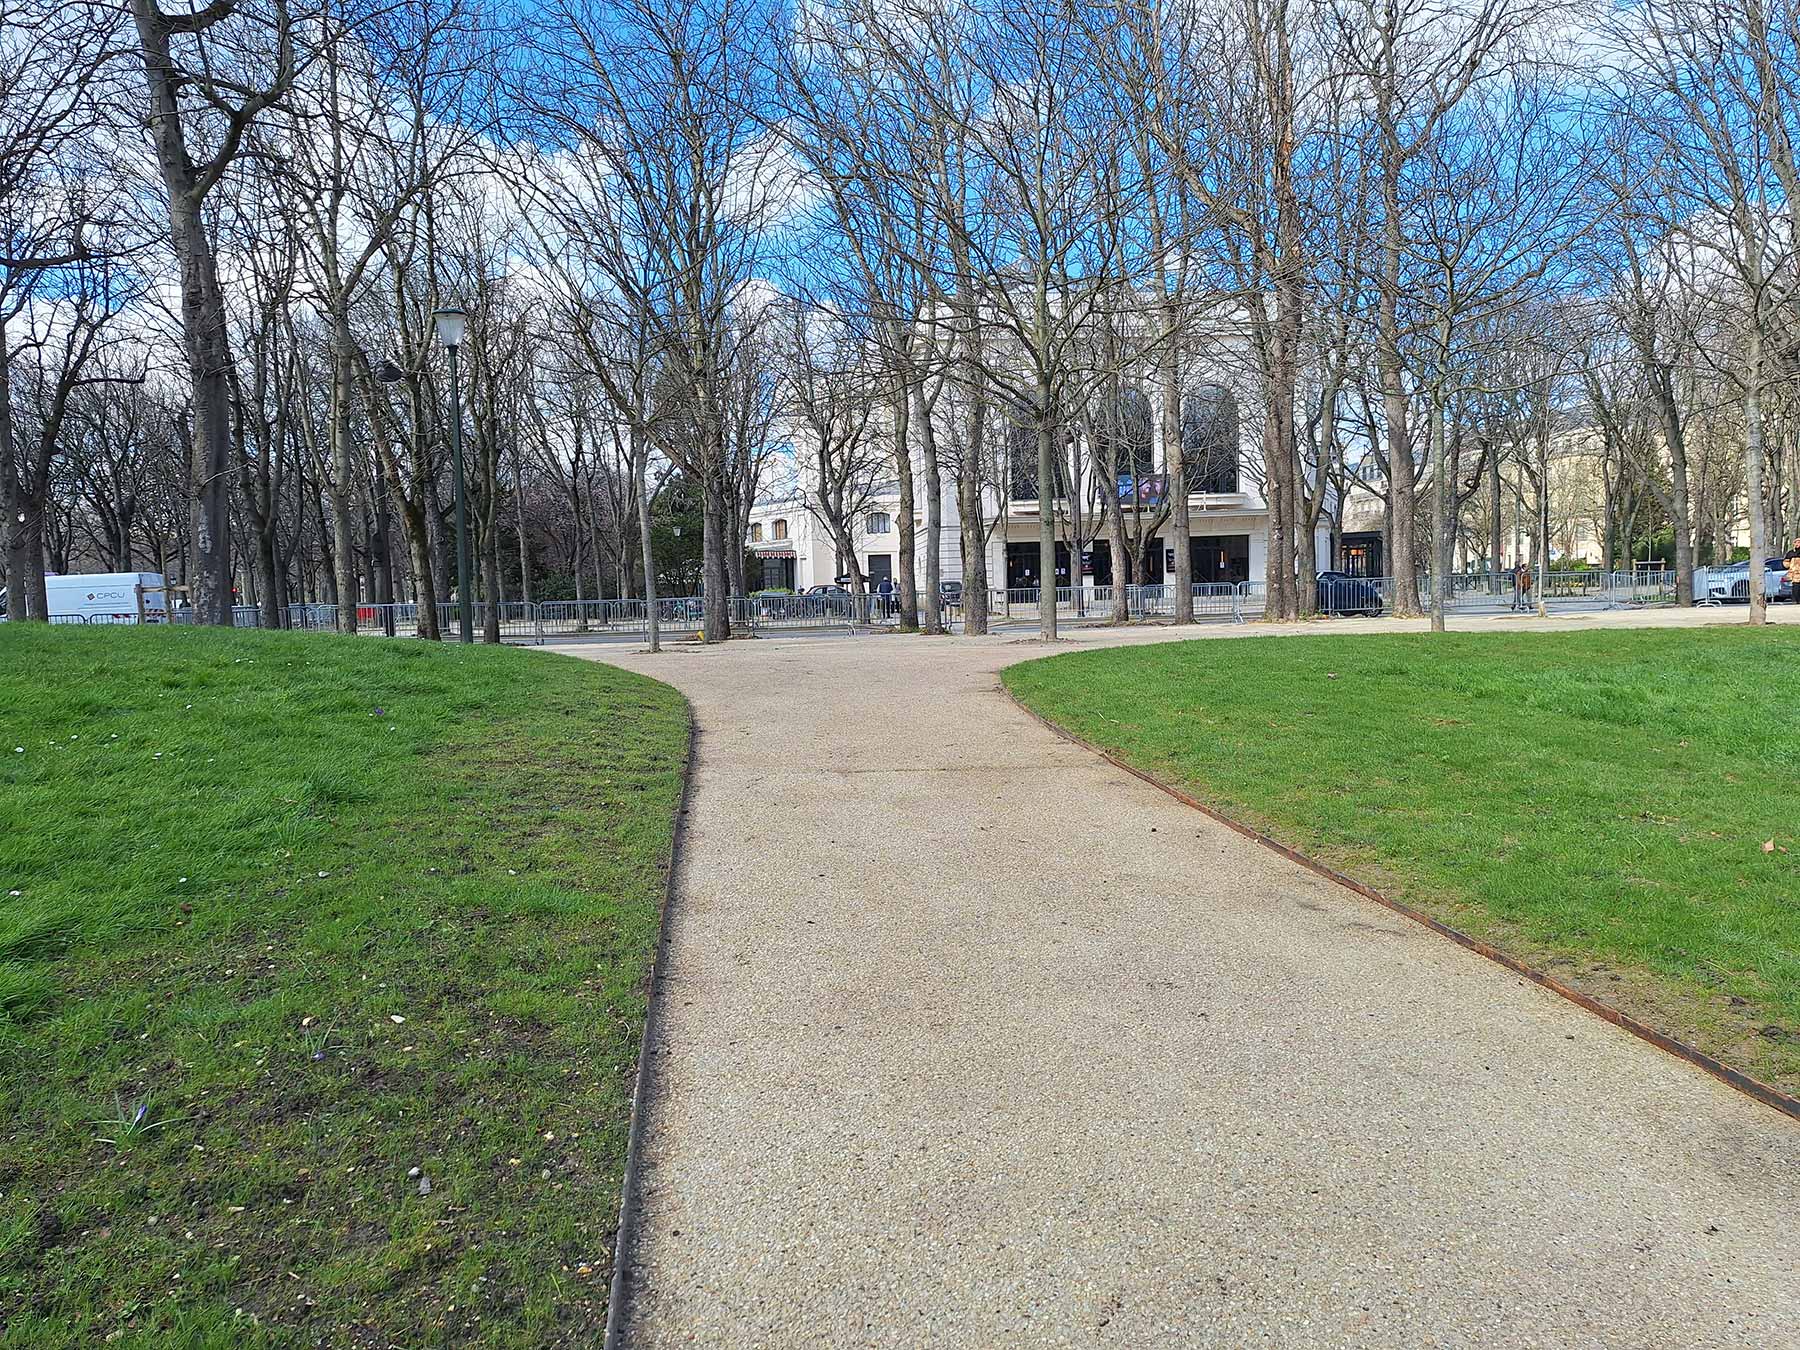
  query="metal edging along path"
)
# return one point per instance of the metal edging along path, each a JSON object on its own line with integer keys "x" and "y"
{"x": 1743, "y": 1082}
{"x": 625, "y": 1238}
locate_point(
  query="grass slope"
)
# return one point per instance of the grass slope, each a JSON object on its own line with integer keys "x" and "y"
{"x": 1595, "y": 801}
{"x": 325, "y": 910}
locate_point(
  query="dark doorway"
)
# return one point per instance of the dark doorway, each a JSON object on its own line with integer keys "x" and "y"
{"x": 777, "y": 572}
{"x": 1149, "y": 571}
{"x": 1022, "y": 565}
{"x": 1362, "y": 555}
{"x": 880, "y": 569}
{"x": 1220, "y": 558}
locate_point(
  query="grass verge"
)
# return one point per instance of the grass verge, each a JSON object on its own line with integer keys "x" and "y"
{"x": 1615, "y": 807}
{"x": 322, "y": 973}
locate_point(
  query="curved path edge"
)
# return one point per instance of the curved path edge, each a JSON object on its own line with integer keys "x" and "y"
{"x": 625, "y": 1235}
{"x": 1736, "y": 1078}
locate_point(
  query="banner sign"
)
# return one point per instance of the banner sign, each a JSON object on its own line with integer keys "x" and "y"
{"x": 1147, "y": 491}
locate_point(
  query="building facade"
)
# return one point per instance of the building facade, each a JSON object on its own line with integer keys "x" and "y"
{"x": 1228, "y": 515}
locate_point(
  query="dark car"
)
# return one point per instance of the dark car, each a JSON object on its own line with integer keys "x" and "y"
{"x": 1344, "y": 595}
{"x": 950, "y": 593}
{"x": 828, "y": 599}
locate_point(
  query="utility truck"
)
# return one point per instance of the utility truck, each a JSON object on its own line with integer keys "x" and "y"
{"x": 101, "y": 597}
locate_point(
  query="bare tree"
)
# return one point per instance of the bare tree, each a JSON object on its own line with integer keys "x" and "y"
{"x": 661, "y": 196}
{"x": 210, "y": 73}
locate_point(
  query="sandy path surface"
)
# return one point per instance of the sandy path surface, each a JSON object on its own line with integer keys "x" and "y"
{"x": 971, "y": 1039}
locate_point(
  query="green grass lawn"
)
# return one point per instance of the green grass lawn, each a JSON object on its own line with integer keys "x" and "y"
{"x": 1597, "y": 802}
{"x": 285, "y": 917}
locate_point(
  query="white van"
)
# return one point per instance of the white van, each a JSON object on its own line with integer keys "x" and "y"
{"x": 102, "y": 597}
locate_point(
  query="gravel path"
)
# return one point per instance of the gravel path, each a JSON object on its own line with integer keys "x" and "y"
{"x": 971, "y": 1039}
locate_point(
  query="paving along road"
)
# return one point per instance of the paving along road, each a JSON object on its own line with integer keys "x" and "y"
{"x": 971, "y": 1039}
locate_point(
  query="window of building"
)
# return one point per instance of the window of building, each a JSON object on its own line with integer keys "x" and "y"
{"x": 778, "y": 573}
{"x": 779, "y": 530}
{"x": 1124, "y": 427}
{"x": 1021, "y": 463}
{"x": 756, "y": 532}
{"x": 879, "y": 522}
{"x": 1209, "y": 438}
{"x": 1219, "y": 558}
{"x": 1022, "y": 564}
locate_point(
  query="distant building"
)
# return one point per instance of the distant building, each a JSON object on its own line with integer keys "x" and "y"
{"x": 1229, "y": 517}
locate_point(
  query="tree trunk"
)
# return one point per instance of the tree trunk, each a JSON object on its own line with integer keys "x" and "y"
{"x": 715, "y": 605}
{"x": 1046, "y": 490}
{"x": 1402, "y": 484}
{"x": 974, "y": 530}
{"x": 205, "y": 335}
{"x": 907, "y": 579}
{"x": 640, "y": 480}
{"x": 268, "y": 571}
{"x": 340, "y": 484}
{"x": 1441, "y": 491}
{"x": 1681, "y": 500}
{"x": 1753, "y": 472}
{"x": 1175, "y": 469}
{"x": 26, "y": 543}
{"x": 1496, "y": 536}
{"x": 490, "y": 565}
{"x": 1277, "y": 567}
{"x": 11, "y": 497}
{"x": 934, "y": 516}
{"x": 576, "y": 565}
{"x": 524, "y": 542}
{"x": 418, "y": 543}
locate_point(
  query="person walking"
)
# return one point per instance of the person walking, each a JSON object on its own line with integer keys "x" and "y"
{"x": 1521, "y": 587}
{"x": 1792, "y": 559}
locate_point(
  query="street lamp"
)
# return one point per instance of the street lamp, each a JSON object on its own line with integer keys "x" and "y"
{"x": 451, "y": 323}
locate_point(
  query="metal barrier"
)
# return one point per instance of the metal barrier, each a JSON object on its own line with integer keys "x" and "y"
{"x": 1480, "y": 592}
{"x": 841, "y": 611}
{"x": 1094, "y": 604}
{"x": 1638, "y": 589}
{"x": 757, "y": 612}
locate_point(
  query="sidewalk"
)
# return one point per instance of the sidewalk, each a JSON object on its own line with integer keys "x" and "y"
{"x": 970, "y": 1039}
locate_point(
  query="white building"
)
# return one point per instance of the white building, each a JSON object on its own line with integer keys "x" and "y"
{"x": 1228, "y": 515}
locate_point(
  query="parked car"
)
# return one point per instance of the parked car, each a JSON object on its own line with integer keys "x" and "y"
{"x": 827, "y": 599}
{"x": 772, "y": 601}
{"x": 1730, "y": 584}
{"x": 950, "y": 593}
{"x": 1344, "y": 595}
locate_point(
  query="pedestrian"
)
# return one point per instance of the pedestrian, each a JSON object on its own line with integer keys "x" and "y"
{"x": 1792, "y": 559}
{"x": 1522, "y": 586}
{"x": 885, "y": 589}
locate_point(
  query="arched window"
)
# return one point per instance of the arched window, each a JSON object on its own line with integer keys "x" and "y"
{"x": 779, "y": 529}
{"x": 1021, "y": 462}
{"x": 1126, "y": 429}
{"x": 879, "y": 522}
{"x": 1209, "y": 438}
{"x": 756, "y": 532}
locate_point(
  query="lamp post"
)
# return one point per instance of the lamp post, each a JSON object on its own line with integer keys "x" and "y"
{"x": 451, "y": 323}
